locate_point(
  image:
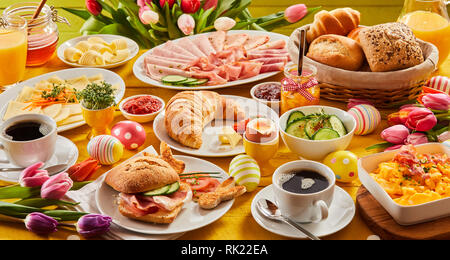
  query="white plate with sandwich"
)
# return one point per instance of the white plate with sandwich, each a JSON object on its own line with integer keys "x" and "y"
{"x": 210, "y": 146}
{"x": 17, "y": 100}
{"x": 137, "y": 202}
{"x": 174, "y": 58}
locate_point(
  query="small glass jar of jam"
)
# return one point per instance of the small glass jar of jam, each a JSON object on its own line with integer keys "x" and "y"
{"x": 298, "y": 91}
{"x": 43, "y": 32}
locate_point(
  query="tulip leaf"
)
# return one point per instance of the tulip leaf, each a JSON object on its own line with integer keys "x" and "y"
{"x": 92, "y": 25}
{"x": 380, "y": 146}
{"x": 106, "y": 7}
{"x": 79, "y": 185}
{"x": 80, "y": 13}
{"x": 237, "y": 9}
{"x": 65, "y": 215}
{"x": 40, "y": 203}
{"x": 222, "y": 7}
{"x": 11, "y": 207}
{"x": 174, "y": 32}
{"x": 201, "y": 23}
{"x": 18, "y": 192}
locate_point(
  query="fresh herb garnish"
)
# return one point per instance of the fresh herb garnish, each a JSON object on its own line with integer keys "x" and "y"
{"x": 97, "y": 96}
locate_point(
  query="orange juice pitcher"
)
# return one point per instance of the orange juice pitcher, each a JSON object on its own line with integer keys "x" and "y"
{"x": 430, "y": 22}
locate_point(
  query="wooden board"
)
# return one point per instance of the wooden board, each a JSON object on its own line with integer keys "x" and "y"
{"x": 382, "y": 224}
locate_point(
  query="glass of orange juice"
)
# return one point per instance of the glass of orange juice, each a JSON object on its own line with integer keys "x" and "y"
{"x": 430, "y": 22}
{"x": 13, "y": 49}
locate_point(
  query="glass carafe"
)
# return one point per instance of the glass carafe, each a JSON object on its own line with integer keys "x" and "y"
{"x": 430, "y": 22}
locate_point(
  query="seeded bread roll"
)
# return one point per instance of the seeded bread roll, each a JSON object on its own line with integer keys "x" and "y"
{"x": 390, "y": 47}
{"x": 337, "y": 51}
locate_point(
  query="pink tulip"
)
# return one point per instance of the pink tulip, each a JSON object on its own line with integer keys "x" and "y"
{"x": 436, "y": 101}
{"x": 295, "y": 13}
{"x": 162, "y": 3}
{"x": 33, "y": 177}
{"x": 416, "y": 139}
{"x": 142, "y": 3}
{"x": 93, "y": 7}
{"x": 444, "y": 136}
{"x": 56, "y": 187}
{"x": 400, "y": 117}
{"x": 186, "y": 23}
{"x": 148, "y": 16}
{"x": 210, "y": 4}
{"x": 421, "y": 119}
{"x": 396, "y": 134}
{"x": 353, "y": 102}
{"x": 190, "y": 6}
{"x": 392, "y": 148}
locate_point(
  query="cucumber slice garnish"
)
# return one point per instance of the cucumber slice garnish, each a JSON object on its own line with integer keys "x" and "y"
{"x": 187, "y": 81}
{"x": 337, "y": 125}
{"x": 173, "y": 188}
{"x": 297, "y": 128}
{"x": 325, "y": 134}
{"x": 294, "y": 116}
{"x": 198, "y": 82}
{"x": 160, "y": 191}
{"x": 173, "y": 79}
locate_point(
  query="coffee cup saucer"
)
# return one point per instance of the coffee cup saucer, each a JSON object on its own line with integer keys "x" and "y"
{"x": 341, "y": 213}
{"x": 66, "y": 152}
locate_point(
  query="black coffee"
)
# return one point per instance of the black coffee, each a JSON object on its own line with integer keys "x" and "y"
{"x": 305, "y": 182}
{"x": 25, "y": 131}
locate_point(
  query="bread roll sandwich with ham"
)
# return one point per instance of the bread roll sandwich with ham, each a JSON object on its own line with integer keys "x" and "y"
{"x": 150, "y": 188}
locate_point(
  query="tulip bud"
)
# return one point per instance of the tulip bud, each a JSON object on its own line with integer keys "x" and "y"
{"x": 93, "y": 225}
{"x": 396, "y": 134}
{"x": 56, "y": 187}
{"x": 416, "y": 139}
{"x": 148, "y": 16}
{"x": 436, "y": 101}
{"x": 400, "y": 117}
{"x": 224, "y": 23}
{"x": 186, "y": 23}
{"x": 93, "y": 7}
{"x": 40, "y": 223}
{"x": 421, "y": 119}
{"x": 295, "y": 13}
{"x": 162, "y": 3}
{"x": 190, "y": 6}
{"x": 142, "y": 3}
{"x": 444, "y": 136}
{"x": 33, "y": 177}
{"x": 210, "y": 4}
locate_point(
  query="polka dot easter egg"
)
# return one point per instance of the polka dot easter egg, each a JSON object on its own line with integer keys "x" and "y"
{"x": 245, "y": 171}
{"x": 130, "y": 134}
{"x": 344, "y": 164}
{"x": 106, "y": 149}
{"x": 367, "y": 118}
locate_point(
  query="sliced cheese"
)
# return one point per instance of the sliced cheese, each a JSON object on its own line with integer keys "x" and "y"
{"x": 52, "y": 110}
{"x": 28, "y": 93}
{"x": 229, "y": 136}
{"x": 71, "y": 120}
{"x": 17, "y": 108}
{"x": 63, "y": 114}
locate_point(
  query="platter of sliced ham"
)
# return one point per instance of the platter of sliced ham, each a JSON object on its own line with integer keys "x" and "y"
{"x": 214, "y": 60}
{"x": 190, "y": 218}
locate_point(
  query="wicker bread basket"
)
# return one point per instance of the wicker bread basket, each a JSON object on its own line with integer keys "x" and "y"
{"x": 381, "y": 88}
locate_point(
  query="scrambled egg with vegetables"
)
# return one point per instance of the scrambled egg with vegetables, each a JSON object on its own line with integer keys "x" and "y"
{"x": 413, "y": 179}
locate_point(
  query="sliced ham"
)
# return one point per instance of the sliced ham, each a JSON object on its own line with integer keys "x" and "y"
{"x": 158, "y": 72}
{"x": 167, "y": 63}
{"x": 253, "y": 56}
{"x": 272, "y": 60}
{"x": 232, "y": 55}
{"x": 229, "y": 72}
{"x": 189, "y": 46}
{"x": 273, "y": 67}
{"x": 269, "y": 51}
{"x": 204, "y": 45}
{"x": 249, "y": 69}
{"x": 159, "y": 51}
{"x": 279, "y": 44}
{"x": 236, "y": 40}
{"x": 217, "y": 40}
{"x": 171, "y": 46}
{"x": 151, "y": 59}
{"x": 212, "y": 76}
{"x": 256, "y": 41}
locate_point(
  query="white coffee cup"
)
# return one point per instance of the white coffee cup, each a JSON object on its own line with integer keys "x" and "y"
{"x": 303, "y": 208}
{"x": 26, "y": 153}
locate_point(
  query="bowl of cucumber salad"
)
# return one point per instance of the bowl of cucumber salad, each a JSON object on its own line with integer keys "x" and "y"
{"x": 313, "y": 132}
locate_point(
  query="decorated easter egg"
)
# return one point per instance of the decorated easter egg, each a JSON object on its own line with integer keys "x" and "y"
{"x": 367, "y": 118}
{"x": 245, "y": 171}
{"x": 130, "y": 134}
{"x": 344, "y": 165}
{"x": 440, "y": 83}
{"x": 106, "y": 149}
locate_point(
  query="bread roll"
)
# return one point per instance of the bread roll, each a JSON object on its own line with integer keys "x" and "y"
{"x": 337, "y": 51}
{"x": 390, "y": 47}
{"x": 339, "y": 21}
{"x": 354, "y": 34}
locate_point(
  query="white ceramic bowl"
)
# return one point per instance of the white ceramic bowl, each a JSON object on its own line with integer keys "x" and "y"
{"x": 145, "y": 118}
{"x": 403, "y": 215}
{"x": 275, "y": 105}
{"x": 317, "y": 149}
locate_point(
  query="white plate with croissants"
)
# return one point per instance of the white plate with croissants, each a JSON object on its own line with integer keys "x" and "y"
{"x": 124, "y": 194}
{"x": 193, "y": 121}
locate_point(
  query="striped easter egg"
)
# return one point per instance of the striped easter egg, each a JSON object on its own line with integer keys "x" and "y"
{"x": 245, "y": 171}
{"x": 367, "y": 118}
{"x": 106, "y": 149}
{"x": 440, "y": 83}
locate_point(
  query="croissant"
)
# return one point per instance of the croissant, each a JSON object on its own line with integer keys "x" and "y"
{"x": 339, "y": 21}
{"x": 188, "y": 112}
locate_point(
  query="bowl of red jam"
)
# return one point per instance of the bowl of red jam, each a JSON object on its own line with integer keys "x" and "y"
{"x": 268, "y": 93}
{"x": 141, "y": 108}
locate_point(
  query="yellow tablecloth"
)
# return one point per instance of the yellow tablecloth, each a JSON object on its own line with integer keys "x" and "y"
{"x": 238, "y": 223}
